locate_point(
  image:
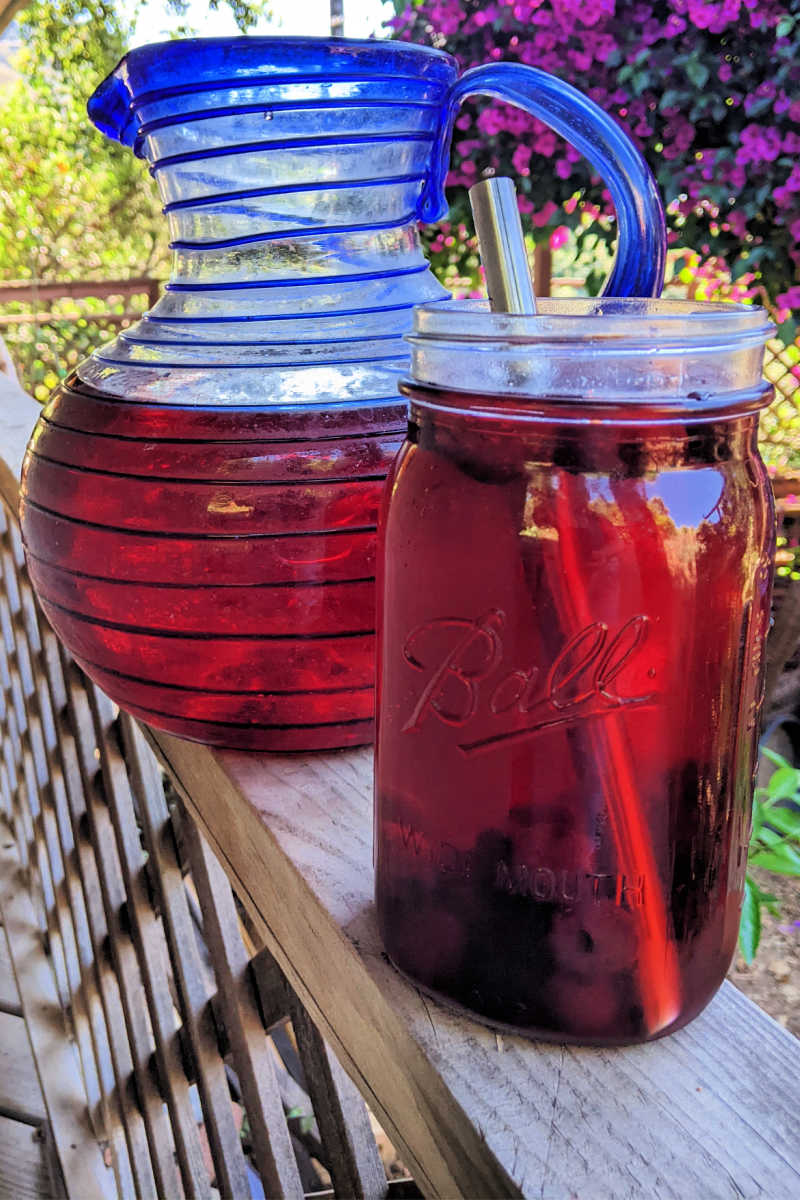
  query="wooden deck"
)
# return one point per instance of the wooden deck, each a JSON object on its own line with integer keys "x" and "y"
{"x": 24, "y": 1158}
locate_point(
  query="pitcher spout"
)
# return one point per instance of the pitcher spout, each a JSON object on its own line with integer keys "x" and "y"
{"x": 291, "y": 172}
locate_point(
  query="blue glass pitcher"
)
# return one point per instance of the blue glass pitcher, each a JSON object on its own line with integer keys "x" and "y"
{"x": 200, "y": 497}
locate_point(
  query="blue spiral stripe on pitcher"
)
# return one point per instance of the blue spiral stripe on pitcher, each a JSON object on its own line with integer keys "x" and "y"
{"x": 126, "y": 336}
{"x": 295, "y": 316}
{"x": 142, "y": 99}
{"x": 251, "y": 363}
{"x": 267, "y": 106}
{"x": 288, "y": 189}
{"x": 286, "y": 234}
{"x": 349, "y": 139}
{"x": 297, "y": 281}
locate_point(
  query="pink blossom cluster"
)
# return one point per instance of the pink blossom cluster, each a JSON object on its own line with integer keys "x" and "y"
{"x": 722, "y": 135}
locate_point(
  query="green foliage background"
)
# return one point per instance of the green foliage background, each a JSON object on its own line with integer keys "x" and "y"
{"x": 73, "y": 204}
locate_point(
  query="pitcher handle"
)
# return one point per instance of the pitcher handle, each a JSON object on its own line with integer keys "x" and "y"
{"x": 640, "y": 260}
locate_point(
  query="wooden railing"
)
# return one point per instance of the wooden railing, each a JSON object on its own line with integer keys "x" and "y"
{"x": 50, "y": 327}
{"x": 177, "y": 927}
{"x": 30, "y": 292}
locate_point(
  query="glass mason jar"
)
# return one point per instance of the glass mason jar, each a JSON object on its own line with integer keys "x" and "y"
{"x": 576, "y": 556}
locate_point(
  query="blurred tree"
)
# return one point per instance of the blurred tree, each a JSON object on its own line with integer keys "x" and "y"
{"x": 72, "y": 203}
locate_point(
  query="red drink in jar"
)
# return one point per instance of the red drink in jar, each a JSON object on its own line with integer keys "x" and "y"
{"x": 574, "y": 594}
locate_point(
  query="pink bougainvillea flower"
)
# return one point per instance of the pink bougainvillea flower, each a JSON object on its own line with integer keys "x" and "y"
{"x": 790, "y": 299}
{"x": 743, "y": 88}
{"x": 521, "y": 159}
{"x": 757, "y": 144}
{"x": 543, "y": 216}
{"x": 559, "y": 237}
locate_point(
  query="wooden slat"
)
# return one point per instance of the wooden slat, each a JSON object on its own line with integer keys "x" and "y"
{"x": 23, "y": 1163}
{"x": 50, "y": 318}
{"x": 252, "y": 1061}
{"x": 148, "y": 932}
{"x": 86, "y": 1010}
{"x": 9, "y": 996}
{"x": 352, "y": 1155}
{"x": 20, "y": 1094}
{"x": 107, "y": 789}
{"x": 59, "y": 1073}
{"x": 22, "y": 290}
{"x": 223, "y": 1136}
{"x": 710, "y": 1111}
{"x": 784, "y": 636}
{"x": 31, "y": 794}
{"x": 81, "y": 767}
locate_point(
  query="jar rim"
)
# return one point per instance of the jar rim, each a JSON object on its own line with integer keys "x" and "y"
{"x": 661, "y": 356}
{"x": 575, "y": 319}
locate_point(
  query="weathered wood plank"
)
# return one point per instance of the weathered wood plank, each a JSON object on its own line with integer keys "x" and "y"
{"x": 16, "y": 290}
{"x": 101, "y": 800}
{"x": 94, "y": 838}
{"x": 60, "y": 1079}
{"x": 20, "y": 1094}
{"x": 710, "y": 1111}
{"x": 23, "y": 1163}
{"x": 9, "y": 996}
{"x": 252, "y": 1060}
{"x": 148, "y": 931}
{"x": 223, "y": 1135}
{"x": 353, "y": 1159}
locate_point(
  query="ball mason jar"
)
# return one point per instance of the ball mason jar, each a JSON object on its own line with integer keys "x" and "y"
{"x": 576, "y": 554}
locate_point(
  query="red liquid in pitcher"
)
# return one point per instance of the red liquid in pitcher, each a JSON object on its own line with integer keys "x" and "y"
{"x": 212, "y": 569}
{"x": 570, "y": 670}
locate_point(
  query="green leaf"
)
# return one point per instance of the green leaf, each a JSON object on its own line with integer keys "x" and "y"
{"x": 783, "y": 783}
{"x": 760, "y": 105}
{"x": 784, "y": 27}
{"x": 670, "y": 99}
{"x": 750, "y": 925}
{"x": 783, "y": 860}
{"x": 697, "y": 72}
{"x": 774, "y": 757}
{"x": 787, "y": 331}
{"x": 758, "y": 819}
{"x": 740, "y": 267}
{"x": 786, "y": 820}
{"x": 640, "y": 81}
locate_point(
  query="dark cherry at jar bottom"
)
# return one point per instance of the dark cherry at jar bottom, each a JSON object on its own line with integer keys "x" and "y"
{"x": 571, "y": 631}
{"x": 213, "y": 569}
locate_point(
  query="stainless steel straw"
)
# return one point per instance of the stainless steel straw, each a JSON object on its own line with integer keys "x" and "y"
{"x": 502, "y": 246}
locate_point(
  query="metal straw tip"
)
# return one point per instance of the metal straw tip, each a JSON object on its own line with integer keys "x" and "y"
{"x": 502, "y": 245}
